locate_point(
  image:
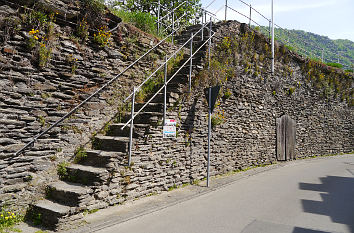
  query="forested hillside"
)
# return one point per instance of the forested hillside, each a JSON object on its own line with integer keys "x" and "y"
{"x": 314, "y": 44}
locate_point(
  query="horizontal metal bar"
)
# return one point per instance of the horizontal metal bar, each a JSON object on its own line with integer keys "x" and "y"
{"x": 167, "y": 82}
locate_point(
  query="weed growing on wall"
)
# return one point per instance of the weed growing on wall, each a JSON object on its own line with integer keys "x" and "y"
{"x": 41, "y": 36}
{"x": 102, "y": 37}
{"x": 8, "y": 220}
{"x": 82, "y": 29}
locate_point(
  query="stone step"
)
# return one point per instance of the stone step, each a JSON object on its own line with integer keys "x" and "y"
{"x": 150, "y": 118}
{"x": 48, "y": 213}
{"x": 103, "y": 159}
{"x": 139, "y": 129}
{"x": 70, "y": 194}
{"x": 110, "y": 143}
{"x": 87, "y": 175}
{"x": 151, "y": 107}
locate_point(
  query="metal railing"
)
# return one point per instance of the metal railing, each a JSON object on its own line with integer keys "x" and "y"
{"x": 203, "y": 14}
{"x": 164, "y": 86}
{"x": 71, "y": 112}
{"x": 75, "y": 109}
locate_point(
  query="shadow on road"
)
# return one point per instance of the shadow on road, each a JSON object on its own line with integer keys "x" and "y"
{"x": 304, "y": 230}
{"x": 337, "y": 195}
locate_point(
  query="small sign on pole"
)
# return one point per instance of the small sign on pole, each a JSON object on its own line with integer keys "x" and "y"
{"x": 170, "y": 122}
{"x": 169, "y": 132}
{"x": 169, "y": 129}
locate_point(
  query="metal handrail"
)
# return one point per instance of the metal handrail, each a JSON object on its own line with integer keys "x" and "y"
{"x": 243, "y": 15}
{"x": 171, "y": 11}
{"x": 157, "y": 92}
{"x": 177, "y": 20}
{"x": 151, "y": 75}
{"x": 90, "y": 97}
{"x": 131, "y": 65}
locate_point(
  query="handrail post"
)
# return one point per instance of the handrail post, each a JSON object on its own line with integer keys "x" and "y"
{"x": 249, "y": 25}
{"x": 269, "y": 30}
{"x": 165, "y": 92}
{"x": 186, "y": 13}
{"x": 191, "y": 64}
{"x": 173, "y": 24}
{"x": 272, "y": 39}
{"x": 225, "y": 10}
{"x": 210, "y": 28}
{"x": 158, "y": 19}
{"x": 202, "y": 26}
{"x": 131, "y": 128}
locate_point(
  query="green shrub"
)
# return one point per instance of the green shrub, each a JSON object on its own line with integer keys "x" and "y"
{"x": 80, "y": 154}
{"x": 141, "y": 20}
{"x": 333, "y": 64}
{"x": 62, "y": 171}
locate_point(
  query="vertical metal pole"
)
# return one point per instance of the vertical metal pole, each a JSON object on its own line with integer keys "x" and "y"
{"x": 269, "y": 30}
{"x": 186, "y": 13}
{"x": 225, "y": 10}
{"x": 338, "y": 57}
{"x": 209, "y": 135}
{"x": 205, "y": 16}
{"x": 209, "y": 52}
{"x": 191, "y": 63}
{"x": 131, "y": 128}
{"x": 165, "y": 93}
{"x": 272, "y": 39}
{"x": 202, "y": 26}
{"x": 250, "y": 16}
{"x": 158, "y": 18}
{"x": 173, "y": 24}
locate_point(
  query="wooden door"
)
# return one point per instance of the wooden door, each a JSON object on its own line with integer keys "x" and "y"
{"x": 286, "y": 138}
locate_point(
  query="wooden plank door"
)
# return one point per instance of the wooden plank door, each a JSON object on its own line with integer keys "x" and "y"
{"x": 286, "y": 138}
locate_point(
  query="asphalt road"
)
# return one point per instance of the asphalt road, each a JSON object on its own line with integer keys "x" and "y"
{"x": 308, "y": 196}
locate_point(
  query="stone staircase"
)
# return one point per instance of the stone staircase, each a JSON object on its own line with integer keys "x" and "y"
{"x": 92, "y": 183}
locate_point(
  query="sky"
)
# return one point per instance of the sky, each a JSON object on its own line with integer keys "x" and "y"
{"x": 332, "y": 18}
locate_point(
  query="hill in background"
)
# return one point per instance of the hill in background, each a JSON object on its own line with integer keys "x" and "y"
{"x": 313, "y": 44}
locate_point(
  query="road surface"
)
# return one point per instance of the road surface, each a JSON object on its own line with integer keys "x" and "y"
{"x": 307, "y": 196}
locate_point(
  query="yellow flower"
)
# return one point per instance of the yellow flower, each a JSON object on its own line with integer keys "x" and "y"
{"x": 35, "y": 37}
{"x": 2, "y": 215}
{"x": 6, "y": 218}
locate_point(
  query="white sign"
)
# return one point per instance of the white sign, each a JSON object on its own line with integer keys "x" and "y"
{"x": 170, "y": 122}
{"x": 169, "y": 132}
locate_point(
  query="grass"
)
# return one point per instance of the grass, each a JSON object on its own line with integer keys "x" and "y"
{"x": 80, "y": 154}
{"x": 141, "y": 20}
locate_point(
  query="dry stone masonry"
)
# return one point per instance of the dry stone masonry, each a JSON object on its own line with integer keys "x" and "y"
{"x": 244, "y": 122}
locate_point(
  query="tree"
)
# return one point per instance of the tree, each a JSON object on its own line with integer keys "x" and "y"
{"x": 191, "y": 7}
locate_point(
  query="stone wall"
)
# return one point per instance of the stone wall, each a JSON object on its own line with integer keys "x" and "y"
{"x": 245, "y": 134}
{"x": 32, "y": 98}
